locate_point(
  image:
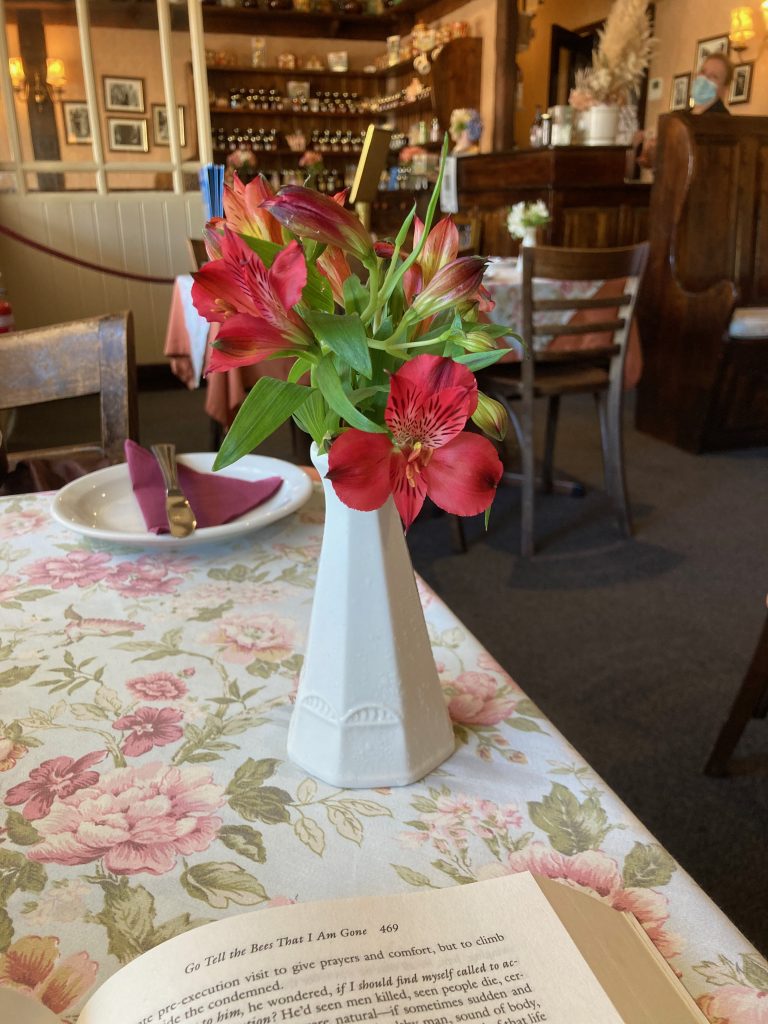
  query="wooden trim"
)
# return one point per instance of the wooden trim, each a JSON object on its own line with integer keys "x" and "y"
{"x": 506, "y": 75}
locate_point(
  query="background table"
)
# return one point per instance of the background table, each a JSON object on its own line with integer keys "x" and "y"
{"x": 144, "y": 702}
{"x": 188, "y": 338}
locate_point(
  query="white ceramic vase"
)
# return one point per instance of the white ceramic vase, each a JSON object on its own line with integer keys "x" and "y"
{"x": 369, "y": 709}
{"x": 602, "y": 124}
{"x": 529, "y": 238}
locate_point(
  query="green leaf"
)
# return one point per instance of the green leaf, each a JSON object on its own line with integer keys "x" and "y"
{"x": 333, "y": 391}
{"x": 128, "y": 916}
{"x": 6, "y": 929}
{"x": 345, "y": 336}
{"x": 264, "y": 249}
{"x": 309, "y": 832}
{"x": 572, "y": 827}
{"x": 647, "y": 866}
{"x": 412, "y": 877}
{"x": 17, "y": 674}
{"x": 368, "y": 808}
{"x": 220, "y": 884}
{"x": 244, "y": 840}
{"x": 355, "y": 295}
{"x": 307, "y": 791}
{"x": 299, "y": 368}
{"x": 347, "y": 824}
{"x": 524, "y": 724}
{"x": 176, "y": 926}
{"x": 528, "y": 708}
{"x": 755, "y": 971}
{"x": 479, "y": 360}
{"x": 265, "y": 803}
{"x": 317, "y": 293}
{"x": 268, "y": 404}
{"x": 452, "y": 871}
{"x": 311, "y": 417}
{"x": 20, "y": 831}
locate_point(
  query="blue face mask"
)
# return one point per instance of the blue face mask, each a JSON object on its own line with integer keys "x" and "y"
{"x": 703, "y": 90}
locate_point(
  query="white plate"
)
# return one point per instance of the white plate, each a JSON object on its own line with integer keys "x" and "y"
{"x": 103, "y": 505}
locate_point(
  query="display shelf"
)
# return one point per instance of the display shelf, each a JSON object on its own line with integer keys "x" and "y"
{"x": 413, "y": 107}
{"x": 391, "y": 71}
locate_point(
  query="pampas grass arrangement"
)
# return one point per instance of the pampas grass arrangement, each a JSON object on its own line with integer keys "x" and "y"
{"x": 622, "y": 55}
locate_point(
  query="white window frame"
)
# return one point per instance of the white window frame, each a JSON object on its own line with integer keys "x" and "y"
{"x": 19, "y": 168}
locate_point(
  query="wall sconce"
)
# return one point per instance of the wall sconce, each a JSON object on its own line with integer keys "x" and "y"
{"x": 742, "y": 28}
{"x": 51, "y": 88}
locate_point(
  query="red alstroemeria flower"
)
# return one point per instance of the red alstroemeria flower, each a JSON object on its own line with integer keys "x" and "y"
{"x": 253, "y": 304}
{"x": 332, "y": 263}
{"x": 453, "y": 283}
{"x": 310, "y": 214}
{"x": 244, "y": 212}
{"x": 429, "y": 454}
{"x": 441, "y": 247}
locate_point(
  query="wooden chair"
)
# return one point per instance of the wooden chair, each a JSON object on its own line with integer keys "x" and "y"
{"x": 750, "y": 702}
{"x": 551, "y": 374}
{"x": 84, "y": 357}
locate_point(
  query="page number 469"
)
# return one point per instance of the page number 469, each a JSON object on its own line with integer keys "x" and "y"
{"x": 388, "y": 928}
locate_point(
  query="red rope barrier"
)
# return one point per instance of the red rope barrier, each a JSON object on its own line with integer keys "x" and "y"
{"x": 82, "y": 263}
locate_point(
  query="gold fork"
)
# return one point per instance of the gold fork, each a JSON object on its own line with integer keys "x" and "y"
{"x": 181, "y": 518}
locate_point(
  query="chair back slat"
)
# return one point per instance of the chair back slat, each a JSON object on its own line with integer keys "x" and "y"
{"x": 84, "y": 357}
{"x": 562, "y": 330}
{"x": 598, "y": 302}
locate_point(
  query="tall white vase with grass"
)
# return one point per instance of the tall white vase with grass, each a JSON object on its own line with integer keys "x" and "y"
{"x": 370, "y": 709}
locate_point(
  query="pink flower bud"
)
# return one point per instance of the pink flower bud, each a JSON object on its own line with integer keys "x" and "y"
{"x": 453, "y": 283}
{"x": 311, "y": 214}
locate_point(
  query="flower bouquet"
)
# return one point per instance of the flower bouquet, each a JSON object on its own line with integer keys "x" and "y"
{"x": 385, "y": 339}
{"x": 526, "y": 217}
{"x": 382, "y": 378}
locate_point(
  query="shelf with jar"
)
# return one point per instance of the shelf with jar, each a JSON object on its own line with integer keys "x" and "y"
{"x": 329, "y": 19}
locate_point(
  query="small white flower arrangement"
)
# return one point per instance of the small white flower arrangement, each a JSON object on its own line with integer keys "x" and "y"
{"x": 526, "y": 215}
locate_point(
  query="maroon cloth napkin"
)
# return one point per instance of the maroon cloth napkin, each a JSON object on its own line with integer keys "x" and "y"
{"x": 215, "y": 499}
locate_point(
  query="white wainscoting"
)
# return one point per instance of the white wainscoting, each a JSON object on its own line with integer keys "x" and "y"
{"x": 141, "y": 232}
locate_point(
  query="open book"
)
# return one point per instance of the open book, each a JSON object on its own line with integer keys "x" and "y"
{"x": 513, "y": 950}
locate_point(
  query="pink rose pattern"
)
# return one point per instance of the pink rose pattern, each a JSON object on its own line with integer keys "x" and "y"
{"x": 134, "y": 820}
{"x": 151, "y": 640}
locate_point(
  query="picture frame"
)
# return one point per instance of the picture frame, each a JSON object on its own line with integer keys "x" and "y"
{"x": 705, "y": 47}
{"x": 741, "y": 86}
{"x": 681, "y": 88}
{"x": 123, "y": 95}
{"x": 127, "y": 135}
{"x": 160, "y": 135}
{"x": 77, "y": 123}
{"x": 297, "y": 90}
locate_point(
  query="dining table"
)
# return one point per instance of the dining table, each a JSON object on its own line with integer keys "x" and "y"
{"x": 145, "y": 696}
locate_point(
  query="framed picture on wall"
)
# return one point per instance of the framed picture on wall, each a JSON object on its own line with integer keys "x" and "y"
{"x": 127, "y": 134}
{"x": 741, "y": 86}
{"x": 125, "y": 95}
{"x": 706, "y": 47}
{"x": 77, "y": 123}
{"x": 681, "y": 85}
{"x": 160, "y": 135}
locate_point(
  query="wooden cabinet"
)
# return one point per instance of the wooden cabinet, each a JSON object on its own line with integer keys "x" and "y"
{"x": 583, "y": 186}
{"x": 246, "y": 101}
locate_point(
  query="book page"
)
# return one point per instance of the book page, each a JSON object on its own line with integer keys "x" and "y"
{"x": 492, "y": 951}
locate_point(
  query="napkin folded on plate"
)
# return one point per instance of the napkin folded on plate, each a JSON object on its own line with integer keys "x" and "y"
{"x": 215, "y": 499}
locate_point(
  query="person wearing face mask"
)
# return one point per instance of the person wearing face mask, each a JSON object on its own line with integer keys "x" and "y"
{"x": 710, "y": 86}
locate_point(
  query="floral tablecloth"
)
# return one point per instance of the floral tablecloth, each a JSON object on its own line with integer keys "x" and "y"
{"x": 144, "y": 701}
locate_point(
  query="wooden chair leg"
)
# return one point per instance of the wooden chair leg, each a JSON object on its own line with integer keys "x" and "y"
{"x": 749, "y": 702}
{"x": 611, "y": 432}
{"x": 528, "y": 460}
{"x": 553, "y": 408}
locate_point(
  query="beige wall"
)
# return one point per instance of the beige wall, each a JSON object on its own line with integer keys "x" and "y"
{"x": 679, "y": 25}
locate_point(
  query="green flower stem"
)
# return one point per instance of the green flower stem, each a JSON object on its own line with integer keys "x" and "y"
{"x": 373, "y": 286}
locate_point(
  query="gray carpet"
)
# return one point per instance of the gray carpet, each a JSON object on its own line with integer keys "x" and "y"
{"x": 634, "y": 649}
